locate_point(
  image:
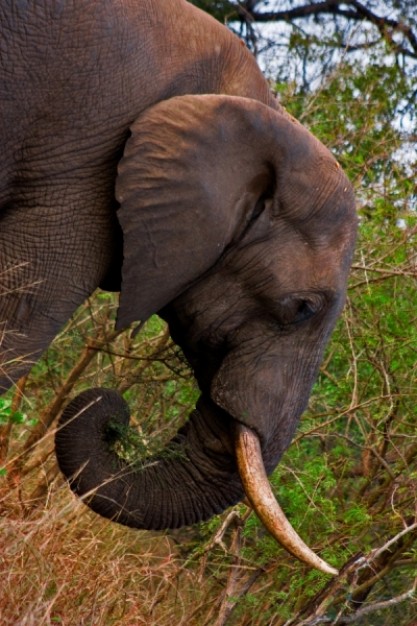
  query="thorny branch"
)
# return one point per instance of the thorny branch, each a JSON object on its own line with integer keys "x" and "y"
{"x": 360, "y": 613}
{"x": 360, "y": 573}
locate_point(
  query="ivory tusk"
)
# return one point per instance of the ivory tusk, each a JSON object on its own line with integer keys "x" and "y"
{"x": 259, "y": 493}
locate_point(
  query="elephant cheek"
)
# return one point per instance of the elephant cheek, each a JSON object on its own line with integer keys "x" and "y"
{"x": 265, "y": 397}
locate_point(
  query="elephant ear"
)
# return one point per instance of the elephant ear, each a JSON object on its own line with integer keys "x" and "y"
{"x": 190, "y": 177}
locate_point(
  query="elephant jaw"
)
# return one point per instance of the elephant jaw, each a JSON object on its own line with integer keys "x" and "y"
{"x": 259, "y": 493}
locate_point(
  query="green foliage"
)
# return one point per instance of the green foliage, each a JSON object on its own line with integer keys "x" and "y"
{"x": 134, "y": 448}
{"x": 8, "y": 415}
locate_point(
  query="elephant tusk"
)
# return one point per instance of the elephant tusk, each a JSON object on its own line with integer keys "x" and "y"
{"x": 259, "y": 493}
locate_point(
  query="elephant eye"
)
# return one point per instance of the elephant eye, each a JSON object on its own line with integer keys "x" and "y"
{"x": 305, "y": 310}
{"x": 296, "y": 310}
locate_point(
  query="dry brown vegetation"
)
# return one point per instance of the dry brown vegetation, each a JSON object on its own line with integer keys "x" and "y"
{"x": 62, "y": 564}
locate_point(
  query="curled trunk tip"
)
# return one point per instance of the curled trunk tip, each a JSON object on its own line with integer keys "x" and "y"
{"x": 178, "y": 486}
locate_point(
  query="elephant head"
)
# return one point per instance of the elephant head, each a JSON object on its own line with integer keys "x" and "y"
{"x": 238, "y": 230}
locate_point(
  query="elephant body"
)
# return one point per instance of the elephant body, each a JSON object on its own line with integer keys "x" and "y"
{"x": 73, "y": 78}
{"x": 143, "y": 152}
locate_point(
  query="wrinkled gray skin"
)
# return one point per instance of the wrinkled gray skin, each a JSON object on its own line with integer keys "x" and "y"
{"x": 219, "y": 211}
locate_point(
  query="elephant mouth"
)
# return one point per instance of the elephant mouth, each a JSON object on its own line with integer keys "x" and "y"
{"x": 259, "y": 493}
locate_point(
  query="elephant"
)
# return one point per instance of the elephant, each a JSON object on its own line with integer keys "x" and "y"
{"x": 144, "y": 153}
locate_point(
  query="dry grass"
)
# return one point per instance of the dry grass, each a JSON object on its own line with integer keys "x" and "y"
{"x": 59, "y": 562}
{"x": 64, "y": 565}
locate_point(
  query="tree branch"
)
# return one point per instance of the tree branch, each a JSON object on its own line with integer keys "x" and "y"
{"x": 356, "y": 12}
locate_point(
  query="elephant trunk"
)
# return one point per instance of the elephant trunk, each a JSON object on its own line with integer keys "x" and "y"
{"x": 192, "y": 479}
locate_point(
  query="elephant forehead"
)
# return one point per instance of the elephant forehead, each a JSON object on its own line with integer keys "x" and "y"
{"x": 324, "y": 246}
{"x": 322, "y": 264}
{"x": 316, "y": 198}
{"x": 293, "y": 253}
{"x": 300, "y": 272}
